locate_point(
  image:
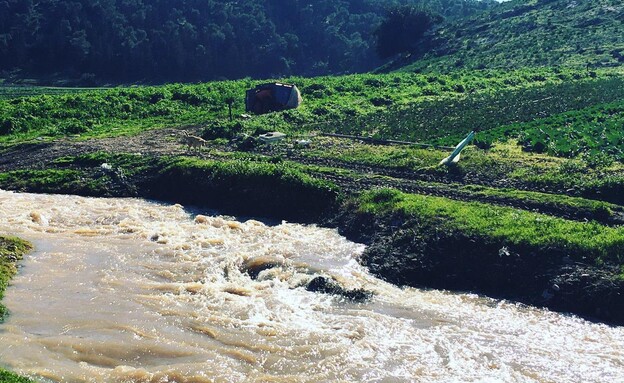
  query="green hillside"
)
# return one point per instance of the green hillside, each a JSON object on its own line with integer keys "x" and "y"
{"x": 93, "y": 41}
{"x": 569, "y": 33}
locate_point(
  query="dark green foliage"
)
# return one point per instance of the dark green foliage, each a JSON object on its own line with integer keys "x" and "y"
{"x": 594, "y": 133}
{"x": 93, "y": 41}
{"x": 222, "y": 129}
{"x": 402, "y": 28}
{"x": 9, "y": 377}
{"x": 381, "y": 101}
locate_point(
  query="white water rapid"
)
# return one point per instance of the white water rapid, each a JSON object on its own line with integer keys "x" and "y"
{"x": 127, "y": 290}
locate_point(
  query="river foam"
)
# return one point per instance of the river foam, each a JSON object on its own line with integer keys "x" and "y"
{"x": 137, "y": 291}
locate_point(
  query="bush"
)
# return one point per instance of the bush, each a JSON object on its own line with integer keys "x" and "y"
{"x": 188, "y": 97}
{"x": 381, "y": 101}
{"x": 73, "y": 126}
{"x": 402, "y": 29}
{"x": 6, "y": 127}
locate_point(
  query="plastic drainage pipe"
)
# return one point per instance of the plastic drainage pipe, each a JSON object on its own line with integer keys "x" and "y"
{"x": 454, "y": 157}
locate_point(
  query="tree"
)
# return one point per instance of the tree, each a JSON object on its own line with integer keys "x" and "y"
{"x": 402, "y": 28}
{"x": 196, "y": 40}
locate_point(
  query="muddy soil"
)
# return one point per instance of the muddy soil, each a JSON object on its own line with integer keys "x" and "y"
{"x": 37, "y": 154}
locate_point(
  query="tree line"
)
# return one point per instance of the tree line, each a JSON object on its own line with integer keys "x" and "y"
{"x": 193, "y": 40}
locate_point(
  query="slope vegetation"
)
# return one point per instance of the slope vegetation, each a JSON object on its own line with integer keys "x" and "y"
{"x": 163, "y": 40}
{"x": 518, "y": 33}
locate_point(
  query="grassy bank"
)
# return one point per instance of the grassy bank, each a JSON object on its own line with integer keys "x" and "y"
{"x": 250, "y": 182}
{"x": 9, "y": 377}
{"x": 581, "y": 241}
{"x": 413, "y": 239}
{"x": 262, "y": 187}
{"x": 244, "y": 187}
{"x": 434, "y": 242}
{"x": 11, "y": 251}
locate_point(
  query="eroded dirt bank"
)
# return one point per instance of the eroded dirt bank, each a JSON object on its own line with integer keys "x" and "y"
{"x": 409, "y": 252}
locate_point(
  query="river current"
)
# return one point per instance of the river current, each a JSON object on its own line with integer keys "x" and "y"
{"x": 128, "y": 290}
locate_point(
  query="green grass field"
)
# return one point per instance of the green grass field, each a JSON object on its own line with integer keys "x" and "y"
{"x": 430, "y": 108}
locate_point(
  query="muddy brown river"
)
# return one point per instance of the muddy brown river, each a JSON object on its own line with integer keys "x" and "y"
{"x": 128, "y": 290}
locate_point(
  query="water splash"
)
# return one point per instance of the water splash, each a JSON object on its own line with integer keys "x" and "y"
{"x": 136, "y": 291}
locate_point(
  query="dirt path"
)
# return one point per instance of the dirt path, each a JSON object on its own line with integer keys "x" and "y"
{"x": 166, "y": 142}
{"x": 37, "y": 155}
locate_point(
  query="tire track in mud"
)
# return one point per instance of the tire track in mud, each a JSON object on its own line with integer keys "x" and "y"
{"x": 454, "y": 192}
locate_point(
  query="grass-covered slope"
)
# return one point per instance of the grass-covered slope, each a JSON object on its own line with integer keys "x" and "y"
{"x": 429, "y": 241}
{"x": 11, "y": 250}
{"x": 244, "y": 187}
{"x": 249, "y": 186}
{"x": 431, "y": 108}
{"x": 9, "y": 377}
{"x": 582, "y": 241}
{"x": 522, "y": 33}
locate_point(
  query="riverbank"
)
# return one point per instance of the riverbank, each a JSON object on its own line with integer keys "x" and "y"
{"x": 532, "y": 213}
{"x": 9, "y": 377}
{"x": 11, "y": 251}
{"x": 531, "y": 258}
